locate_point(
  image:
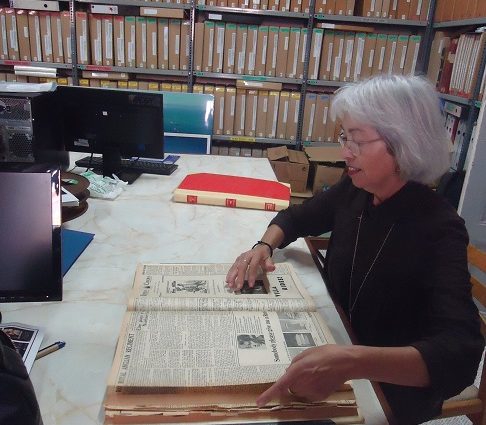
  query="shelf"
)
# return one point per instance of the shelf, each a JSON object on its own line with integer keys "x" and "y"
{"x": 456, "y": 99}
{"x": 147, "y": 71}
{"x": 140, "y": 3}
{"x": 252, "y": 11}
{"x": 261, "y": 78}
{"x": 368, "y": 20}
{"x": 320, "y": 144}
{"x": 323, "y": 83}
{"x": 247, "y": 139}
{"x": 461, "y": 23}
{"x": 36, "y": 64}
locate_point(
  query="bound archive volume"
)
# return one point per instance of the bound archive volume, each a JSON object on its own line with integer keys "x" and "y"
{"x": 192, "y": 350}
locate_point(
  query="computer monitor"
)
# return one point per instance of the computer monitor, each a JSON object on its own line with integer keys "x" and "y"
{"x": 30, "y": 252}
{"x": 116, "y": 123}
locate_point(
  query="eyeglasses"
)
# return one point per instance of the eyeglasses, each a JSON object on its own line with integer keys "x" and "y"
{"x": 353, "y": 145}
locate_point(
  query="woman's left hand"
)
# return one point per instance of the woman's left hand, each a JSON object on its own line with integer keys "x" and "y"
{"x": 313, "y": 375}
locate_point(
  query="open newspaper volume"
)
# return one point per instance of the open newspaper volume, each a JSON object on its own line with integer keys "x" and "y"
{"x": 192, "y": 350}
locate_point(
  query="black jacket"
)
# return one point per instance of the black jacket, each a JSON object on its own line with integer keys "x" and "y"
{"x": 417, "y": 292}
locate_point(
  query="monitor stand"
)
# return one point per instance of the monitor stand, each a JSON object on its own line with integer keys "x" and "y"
{"x": 112, "y": 165}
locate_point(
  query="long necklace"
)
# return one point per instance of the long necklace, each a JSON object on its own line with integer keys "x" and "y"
{"x": 351, "y": 305}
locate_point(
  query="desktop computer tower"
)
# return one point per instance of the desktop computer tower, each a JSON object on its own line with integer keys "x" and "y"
{"x": 27, "y": 129}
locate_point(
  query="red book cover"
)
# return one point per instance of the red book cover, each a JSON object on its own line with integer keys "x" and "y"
{"x": 233, "y": 191}
{"x": 445, "y": 77}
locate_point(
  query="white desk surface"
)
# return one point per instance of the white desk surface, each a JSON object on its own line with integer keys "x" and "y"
{"x": 144, "y": 225}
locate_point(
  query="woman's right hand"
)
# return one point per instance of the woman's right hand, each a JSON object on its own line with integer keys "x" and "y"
{"x": 247, "y": 264}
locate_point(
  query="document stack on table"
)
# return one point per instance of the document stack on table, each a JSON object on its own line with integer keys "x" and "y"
{"x": 192, "y": 350}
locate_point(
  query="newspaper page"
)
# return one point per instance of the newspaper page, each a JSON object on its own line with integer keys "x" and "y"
{"x": 202, "y": 287}
{"x": 26, "y": 339}
{"x": 210, "y": 349}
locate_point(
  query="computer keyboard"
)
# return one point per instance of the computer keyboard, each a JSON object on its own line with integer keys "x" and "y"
{"x": 133, "y": 165}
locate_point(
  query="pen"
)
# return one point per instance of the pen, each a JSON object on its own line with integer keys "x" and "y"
{"x": 50, "y": 349}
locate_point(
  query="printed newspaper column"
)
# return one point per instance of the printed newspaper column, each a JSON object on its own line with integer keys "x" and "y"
{"x": 321, "y": 117}
{"x": 66, "y": 36}
{"x": 401, "y": 54}
{"x": 229, "y": 110}
{"x": 250, "y": 59}
{"x": 412, "y": 54}
{"x": 57, "y": 51}
{"x": 240, "y": 53}
{"x": 12, "y": 38}
{"x": 3, "y": 35}
{"x": 46, "y": 36}
{"x": 163, "y": 43}
{"x": 326, "y": 55}
{"x": 174, "y": 43}
{"x": 208, "y": 46}
{"x": 315, "y": 56}
{"x": 23, "y": 35}
{"x": 358, "y": 56}
{"x": 301, "y": 57}
{"x": 337, "y": 58}
{"x": 262, "y": 111}
{"x": 35, "y": 36}
{"x": 390, "y": 53}
{"x": 198, "y": 45}
{"x": 368, "y": 55}
{"x": 283, "y": 114}
{"x": 130, "y": 41}
{"x": 293, "y": 53}
{"x": 239, "y": 125}
{"x": 218, "y": 50}
{"x": 309, "y": 114}
{"x": 218, "y": 110}
{"x": 81, "y": 37}
{"x": 346, "y": 68}
{"x": 293, "y": 118}
{"x": 272, "y": 114}
{"x": 141, "y": 43}
{"x": 152, "y": 43}
{"x": 229, "y": 48}
{"x": 271, "y": 60}
{"x": 185, "y": 44}
{"x": 261, "y": 52}
{"x": 251, "y": 112}
{"x": 282, "y": 51}
{"x": 107, "y": 40}
{"x": 379, "y": 60}
{"x": 95, "y": 31}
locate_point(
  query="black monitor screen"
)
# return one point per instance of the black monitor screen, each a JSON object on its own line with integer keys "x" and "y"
{"x": 30, "y": 225}
{"x": 116, "y": 123}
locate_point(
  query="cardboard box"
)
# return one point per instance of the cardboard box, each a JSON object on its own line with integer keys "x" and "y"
{"x": 159, "y": 12}
{"x": 320, "y": 130}
{"x": 315, "y": 53}
{"x": 95, "y": 35}
{"x": 309, "y": 115}
{"x": 326, "y": 166}
{"x": 141, "y": 42}
{"x": 185, "y": 44}
{"x": 66, "y": 36}
{"x": 379, "y": 60}
{"x": 412, "y": 54}
{"x": 198, "y": 45}
{"x": 301, "y": 57}
{"x": 119, "y": 40}
{"x": 251, "y": 52}
{"x": 272, "y": 51}
{"x": 368, "y": 55}
{"x": 284, "y": 5}
{"x": 174, "y": 44}
{"x": 390, "y": 53}
{"x": 293, "y": 52}
{"x": 290, "y": 166}
{"x": 35, "y": 37}
{"x": 163, "y": 43}
{"x": 229, "y": 110}
{"x": 401, "y": 54}
{"x": 240, "y": 52}
{"x": 283, "y": 115}
{"x": 337, "y": 56}
{"x": 152, "y": 43}
{"x": 261, "y": 51}
{"x": 46, "y": 37}
{"x": 272, "y": 114}
{"x": 12, "y": 39}
{"x": 262, "y": 111}
{"x": 56, "y": 30}
{"x": 293, "y": 116}
{"x": 282, "y": 52}
{"x": 3, "y": 36}
{"x": 340, "y": 7}
{"x": 219, "y": 92}
{"x": 240, "y": 107}
{"x": 208, "y": 46}
{"x": 229, "y": 48}
{"x": 251, "y": 112}
{"x": 218, "y": 48}
{"x": 224, "y": 150}
{"x": 358, "y": 56}
{"x": 327, "y": 54}
{"x": 403, "y": 9}
{"x": 347, "y": 58}
{"x": 23, "y": 35}
{"x": 130, "y": 38}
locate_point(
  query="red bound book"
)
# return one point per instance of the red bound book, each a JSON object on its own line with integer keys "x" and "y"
{"x": 233, "y": 192}
{"x": 445, "y": 77}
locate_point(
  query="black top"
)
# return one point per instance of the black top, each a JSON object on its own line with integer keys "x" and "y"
{"x": 417, "y": 292}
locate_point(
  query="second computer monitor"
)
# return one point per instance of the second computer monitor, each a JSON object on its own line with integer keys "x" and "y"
{"x": 116, "y": 123}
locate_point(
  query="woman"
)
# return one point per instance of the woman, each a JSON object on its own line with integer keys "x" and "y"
{"x": 397, "y": 259}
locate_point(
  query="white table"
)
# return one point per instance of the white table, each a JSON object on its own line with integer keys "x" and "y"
{"x": 144, "y": 225}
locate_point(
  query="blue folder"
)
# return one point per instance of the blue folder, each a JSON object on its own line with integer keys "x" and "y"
{"x": 73, "y": 244}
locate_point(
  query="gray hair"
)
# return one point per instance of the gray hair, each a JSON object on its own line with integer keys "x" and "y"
{"x": 406, "y": 114}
